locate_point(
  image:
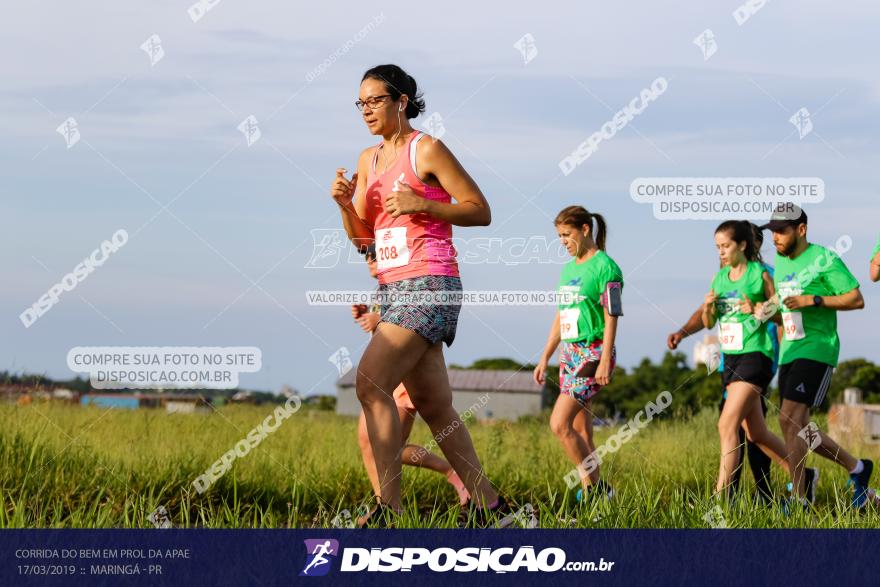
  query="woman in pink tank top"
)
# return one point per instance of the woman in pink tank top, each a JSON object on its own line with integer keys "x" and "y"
{"x": 405, "y": 188}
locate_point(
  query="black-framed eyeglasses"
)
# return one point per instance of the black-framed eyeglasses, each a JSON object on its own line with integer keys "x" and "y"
{"x": 373, "y": 102}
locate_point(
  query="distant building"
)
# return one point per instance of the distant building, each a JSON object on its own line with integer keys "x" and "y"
{"x": 487, "y": 394}
{"x": 854, "y": 422}
{"x": 173, "y": 403}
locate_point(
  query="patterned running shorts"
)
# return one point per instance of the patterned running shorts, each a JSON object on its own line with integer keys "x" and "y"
{"x": 434, "y": 322}
{"x": 572, "y": 358}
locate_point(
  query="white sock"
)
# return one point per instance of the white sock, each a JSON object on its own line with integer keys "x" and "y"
{"x": 860, "y": 466}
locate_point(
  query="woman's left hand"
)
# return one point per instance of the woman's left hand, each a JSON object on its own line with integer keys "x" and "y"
{"x": 403, "y": 201}
{"x": 603, "y": 372}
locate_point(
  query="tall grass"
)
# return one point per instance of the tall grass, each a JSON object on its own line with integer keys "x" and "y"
{"x": 69, "y": 466}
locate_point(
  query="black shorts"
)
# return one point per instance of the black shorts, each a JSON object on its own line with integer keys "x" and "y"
{"x": 805, "y": 381}
{"x": 755, "y": 368}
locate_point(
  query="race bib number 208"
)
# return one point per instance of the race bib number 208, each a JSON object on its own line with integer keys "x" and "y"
{"x": 391, "y": 248}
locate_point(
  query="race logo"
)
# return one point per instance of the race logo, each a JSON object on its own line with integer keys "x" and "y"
{"x": 715, "y": 518}
{"x": 790, "y": 286}
{"x": 69, "y": 129}
{"x": 433, "y": 125}
{"x": 527, "y": 48}
{"x": 250, "y": 128}
{"x": 342, "y": 360}
{"x": 327, "y": 247}
{"x": 729, "y": 304}
{"x": 706, "y": 42}
{"x": 153, "y": 48}
{"x": 802, "y": 121}
{"x": 810, "y": 434}
{"x": 318, "y": 553}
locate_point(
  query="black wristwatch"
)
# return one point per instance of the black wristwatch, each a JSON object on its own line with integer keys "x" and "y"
{"x": 817, "y": 301}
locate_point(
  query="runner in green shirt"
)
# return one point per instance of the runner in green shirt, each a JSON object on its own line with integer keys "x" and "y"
{"x": 812, "y": 284}
{"x": 737, "y": 288}
{"x": 586, "y": 324}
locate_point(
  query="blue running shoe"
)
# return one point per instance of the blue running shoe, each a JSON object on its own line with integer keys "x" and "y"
{"x": 859, "y": 482}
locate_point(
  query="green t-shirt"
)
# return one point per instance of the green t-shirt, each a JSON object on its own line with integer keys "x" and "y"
{"x": 811, "y": 332}
{"x": 583, "y": 320}
{"x": 876, "y": 250}
{"x": 736, "y": 332}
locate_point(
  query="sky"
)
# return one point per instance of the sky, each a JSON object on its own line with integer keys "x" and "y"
{"x": 220, "y": 232}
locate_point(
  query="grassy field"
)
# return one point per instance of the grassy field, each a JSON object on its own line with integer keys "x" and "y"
{"x": 68, "y": 466}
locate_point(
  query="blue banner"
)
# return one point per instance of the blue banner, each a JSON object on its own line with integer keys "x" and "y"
{"x": 437, "y": 557}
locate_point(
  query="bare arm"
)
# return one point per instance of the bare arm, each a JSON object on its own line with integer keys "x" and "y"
{"x": 353, "y": 211}
{"x": 851, "y": 300}
{"x": 875, "y": 267}
{"x": 708, "y": 310}
{"x": 470, "y": 207}
{"x": 603, "y": 373}
{"x": 692, "y": 326}
{"x": 553, "y": 340}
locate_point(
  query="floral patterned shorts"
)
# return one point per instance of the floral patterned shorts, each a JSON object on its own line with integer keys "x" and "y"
{"x": 434, "y": 322}
{"x": 572, "y": 358}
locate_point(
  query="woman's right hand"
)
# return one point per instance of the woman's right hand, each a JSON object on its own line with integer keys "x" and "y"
{"x": 342, "y": 189}
{"x": 540, "y": 370}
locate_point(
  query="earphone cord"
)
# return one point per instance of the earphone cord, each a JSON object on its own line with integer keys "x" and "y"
{"x": 394, "y": 140}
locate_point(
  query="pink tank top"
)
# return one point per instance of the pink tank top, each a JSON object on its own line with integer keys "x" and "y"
{"x": 411, "y": 245}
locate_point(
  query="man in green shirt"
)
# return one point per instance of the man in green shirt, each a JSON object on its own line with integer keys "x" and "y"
{"x": 875, "y": 263}
{"x": 812, "y": 285}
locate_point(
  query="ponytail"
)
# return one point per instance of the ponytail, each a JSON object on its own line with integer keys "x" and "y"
{"x": 578, "y": 216}
{"x": 601, "y": 231}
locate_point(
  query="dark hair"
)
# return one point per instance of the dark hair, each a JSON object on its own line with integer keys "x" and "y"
{"x": 758, "y": 235}
{"x": 398, "y": 82}
{"x": 578, "y": 216}
{"x": 742, "y": 231}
